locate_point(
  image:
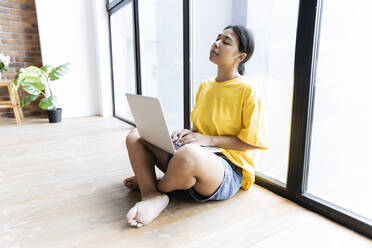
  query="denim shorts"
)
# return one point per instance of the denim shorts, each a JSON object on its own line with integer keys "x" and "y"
{"x": 230, "y": 185}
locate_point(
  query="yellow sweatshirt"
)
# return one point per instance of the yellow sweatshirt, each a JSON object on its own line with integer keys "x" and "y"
{"x": 232, "y": 107}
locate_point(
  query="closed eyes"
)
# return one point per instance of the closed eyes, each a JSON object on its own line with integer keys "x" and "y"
{"x": 224, "y": 42}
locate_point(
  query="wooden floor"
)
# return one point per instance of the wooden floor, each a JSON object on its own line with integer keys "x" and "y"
{"x": 61, "y": 186}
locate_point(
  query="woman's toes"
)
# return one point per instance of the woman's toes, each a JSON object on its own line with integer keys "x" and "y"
{"x": 131, "y": 182}
{"x": 131, "y": 214}
{"x": 133, "y": 223}
{"x": 143, "y": 212}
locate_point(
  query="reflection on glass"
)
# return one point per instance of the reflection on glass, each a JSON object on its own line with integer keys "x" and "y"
{"x": 161, "y": 43}
{"x": 274, "y": 25}
{"x": 206, "y": 28}
{"x": 339, "y": 169}
{"x": 123, "y": 58}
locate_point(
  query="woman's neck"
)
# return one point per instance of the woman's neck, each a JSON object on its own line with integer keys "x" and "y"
{"x": 226, "y": 74}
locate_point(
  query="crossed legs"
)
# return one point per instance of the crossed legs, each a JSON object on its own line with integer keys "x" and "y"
{"x": 191, "y": 166}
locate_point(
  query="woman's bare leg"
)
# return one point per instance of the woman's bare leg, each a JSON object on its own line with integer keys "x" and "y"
{"x": 142, "y": 161}
{"x": 131, "y": 183}
{"x": 160, "y": 156}
{"x": 191, "y": 166}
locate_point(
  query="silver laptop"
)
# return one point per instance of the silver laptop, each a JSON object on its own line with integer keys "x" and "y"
{"x": 152, "y": 127}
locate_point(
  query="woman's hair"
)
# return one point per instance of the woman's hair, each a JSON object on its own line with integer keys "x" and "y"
{"x": 246, "y": 43}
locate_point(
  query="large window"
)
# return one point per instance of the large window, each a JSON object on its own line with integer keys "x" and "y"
{"x": 162, "y": 56}
{"x": 206, "y": 27}
{"x": 319, "y": 139}
{"x": 339, "y": 169}
{"x": 123, "y": 60}
{"x": 274, "y": 26}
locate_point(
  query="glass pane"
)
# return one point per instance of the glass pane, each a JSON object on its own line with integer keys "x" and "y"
{"x": 340, "y": 170}
{"x": 123, "y": 58}
{"x": 205, "y": 31}
{"x": 273, "y": 24}
{"x": 161, "y": 43}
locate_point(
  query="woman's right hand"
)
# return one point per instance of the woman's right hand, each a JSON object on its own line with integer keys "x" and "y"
{"x": 177, "y": 135}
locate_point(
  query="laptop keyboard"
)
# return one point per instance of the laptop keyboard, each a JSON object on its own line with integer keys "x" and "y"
{"x": 212, "y": 149}
{"x": 176, "y": 146}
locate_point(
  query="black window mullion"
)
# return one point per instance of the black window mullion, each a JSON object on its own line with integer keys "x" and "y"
{"x": 111, "y": 65}
{"x": 272, "y": 184}
{"x": 113, "y": 4}
{"x": 338, "y": 214}
{"x": 303, "y": 106}
{"x": 186, "y": 63}
{"x": 116, "y": 5}
{"x": 136, "y": 39}
{"x": 302, "y": 98}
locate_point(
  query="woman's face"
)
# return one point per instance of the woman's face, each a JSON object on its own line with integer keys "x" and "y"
{"x": 225, "y": 50}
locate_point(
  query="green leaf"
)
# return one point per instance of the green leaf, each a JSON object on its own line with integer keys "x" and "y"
{"x": 46, "y": 103}
{"x": 36, "y": 81}
{"x": 32, "y": 71}
{"x": 32, "y": 79}
{"x": 16, "y": 81}
{"x": 47, "y": 68}
{"x": 28, "y": 100}
{"x": 58, "y": 72}
{"x": 31, "y": 89}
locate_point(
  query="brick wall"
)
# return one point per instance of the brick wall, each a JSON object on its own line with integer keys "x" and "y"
{"x": 19, "y": 39}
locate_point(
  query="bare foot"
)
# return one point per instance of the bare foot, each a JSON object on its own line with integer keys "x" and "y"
{"x": 149, "y": 208}
{"x": 131, "y": 182}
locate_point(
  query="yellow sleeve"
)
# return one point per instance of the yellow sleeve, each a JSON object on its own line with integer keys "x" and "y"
{"x": 198, "y": 92}
{"x": 254, "y": 130}
{"x": 196, "y": 103}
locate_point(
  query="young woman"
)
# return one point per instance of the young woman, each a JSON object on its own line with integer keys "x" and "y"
{"x": 227, "y": 114}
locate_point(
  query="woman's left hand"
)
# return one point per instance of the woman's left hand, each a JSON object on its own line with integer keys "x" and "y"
{"x": 195, "y": 138}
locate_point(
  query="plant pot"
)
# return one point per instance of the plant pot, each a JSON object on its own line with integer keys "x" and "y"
{"x": 54, "y": 115}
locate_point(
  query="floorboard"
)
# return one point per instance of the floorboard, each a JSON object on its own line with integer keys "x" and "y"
{"x": 61, "y": 186}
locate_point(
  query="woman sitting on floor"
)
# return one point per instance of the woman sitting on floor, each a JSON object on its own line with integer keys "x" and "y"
{"x": 228, "y": 114}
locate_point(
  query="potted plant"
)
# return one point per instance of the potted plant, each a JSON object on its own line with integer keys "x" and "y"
{"x": 4, "y": 63}
{"x": 36, "y": 82}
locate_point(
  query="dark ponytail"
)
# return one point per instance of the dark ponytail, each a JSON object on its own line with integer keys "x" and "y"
{"x": 246, "y": 43}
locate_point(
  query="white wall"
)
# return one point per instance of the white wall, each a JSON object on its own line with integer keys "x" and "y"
{"x": 100, "y": 18}
{"x": 75, "y": 31}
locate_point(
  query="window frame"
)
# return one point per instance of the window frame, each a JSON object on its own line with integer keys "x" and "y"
{"x": 112, "y": 7}
{"x": 116, "y": 5}
{"x": 307, "y": 39}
